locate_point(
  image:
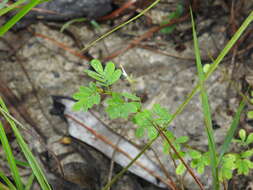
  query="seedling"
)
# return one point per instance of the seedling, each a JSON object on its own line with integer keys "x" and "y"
{"x": 128, "y": 106}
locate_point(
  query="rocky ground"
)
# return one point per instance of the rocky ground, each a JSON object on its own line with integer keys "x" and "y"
{"x": 38, "y": 62}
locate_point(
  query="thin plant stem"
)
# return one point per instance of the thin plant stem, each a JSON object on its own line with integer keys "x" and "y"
{"x": 119, "y": 26}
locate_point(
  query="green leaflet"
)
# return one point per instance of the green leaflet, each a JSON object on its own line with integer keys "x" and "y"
{"x": 106, "y": 76}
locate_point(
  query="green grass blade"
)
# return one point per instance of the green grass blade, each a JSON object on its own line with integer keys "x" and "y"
{"x": 231, "y": 132}
{"x": 67, "y": 24}
{"x": 27, "y": 152}
{"x": 206, "y": 110}
{"x": 30, "y": 182}
{"x": 10, "y": 7}
{"x": 230, "y": 44}
{"x": 22, "y": 164}
{"x": 10, "y": 158}
{"x": 7, "y": 181}
{"x": 18, "y": 16}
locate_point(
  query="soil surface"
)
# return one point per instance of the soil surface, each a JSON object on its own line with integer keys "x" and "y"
{"x": 40, "y": 63}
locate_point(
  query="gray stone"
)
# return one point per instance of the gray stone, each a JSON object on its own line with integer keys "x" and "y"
{"x": 67, "y": 10}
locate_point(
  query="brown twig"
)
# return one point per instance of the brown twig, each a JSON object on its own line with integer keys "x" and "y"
{"x": 145, "y": 36}
{"x": 180, "y": 158}
{"x": 164, "y": 170}
{"x": 118, "y": 11}
{"x": 62, "y": 46}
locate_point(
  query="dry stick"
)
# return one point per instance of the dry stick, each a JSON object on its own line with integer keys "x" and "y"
{"x": 164, "y": 170}
{"x": 146, "y": 35}
{"x": 118, "y": 11}
{"x": 63, "y": 46}
{"x": 156, "y": 50}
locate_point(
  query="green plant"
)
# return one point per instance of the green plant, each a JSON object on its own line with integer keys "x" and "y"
{"x": 13, "y": 163}
{"x": 153, "y": 122}
{"x": 238, "y": 161}
{"x": 128, "y": 106}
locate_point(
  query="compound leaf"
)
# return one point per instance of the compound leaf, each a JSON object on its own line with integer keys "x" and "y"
{"x": 105, "y": 77}
{"x": 86, "y": 97}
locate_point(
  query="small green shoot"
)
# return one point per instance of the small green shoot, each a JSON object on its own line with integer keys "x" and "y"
{"x": 176, "y": 14}
{"x": 244, "y": 140}
{"x": 67, "y": 24}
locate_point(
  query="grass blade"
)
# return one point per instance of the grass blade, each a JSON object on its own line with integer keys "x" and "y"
{"x": 10, "y": 158}
{"x": 30, "y": 182}
{"x": 231, "y": 132}
{"x": 18, "y": 16}
{"x": 27, "y": 152}
{"x": 206, "y": 110}
{"x": 7, "y": 181}
{"x": 10, "y": 7}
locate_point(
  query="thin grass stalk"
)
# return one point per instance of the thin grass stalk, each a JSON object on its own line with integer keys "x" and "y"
{"x": 206, "y": 110}
{"x": 10, "y": 7}
{"x": 231, "y": 131}
{"x": 18, "y": 16}
{"x": 27, "y": 152}
{"x": 30, "y": 182}
{"x": 10, "y": 158}
{"x": 120, "y": 26}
